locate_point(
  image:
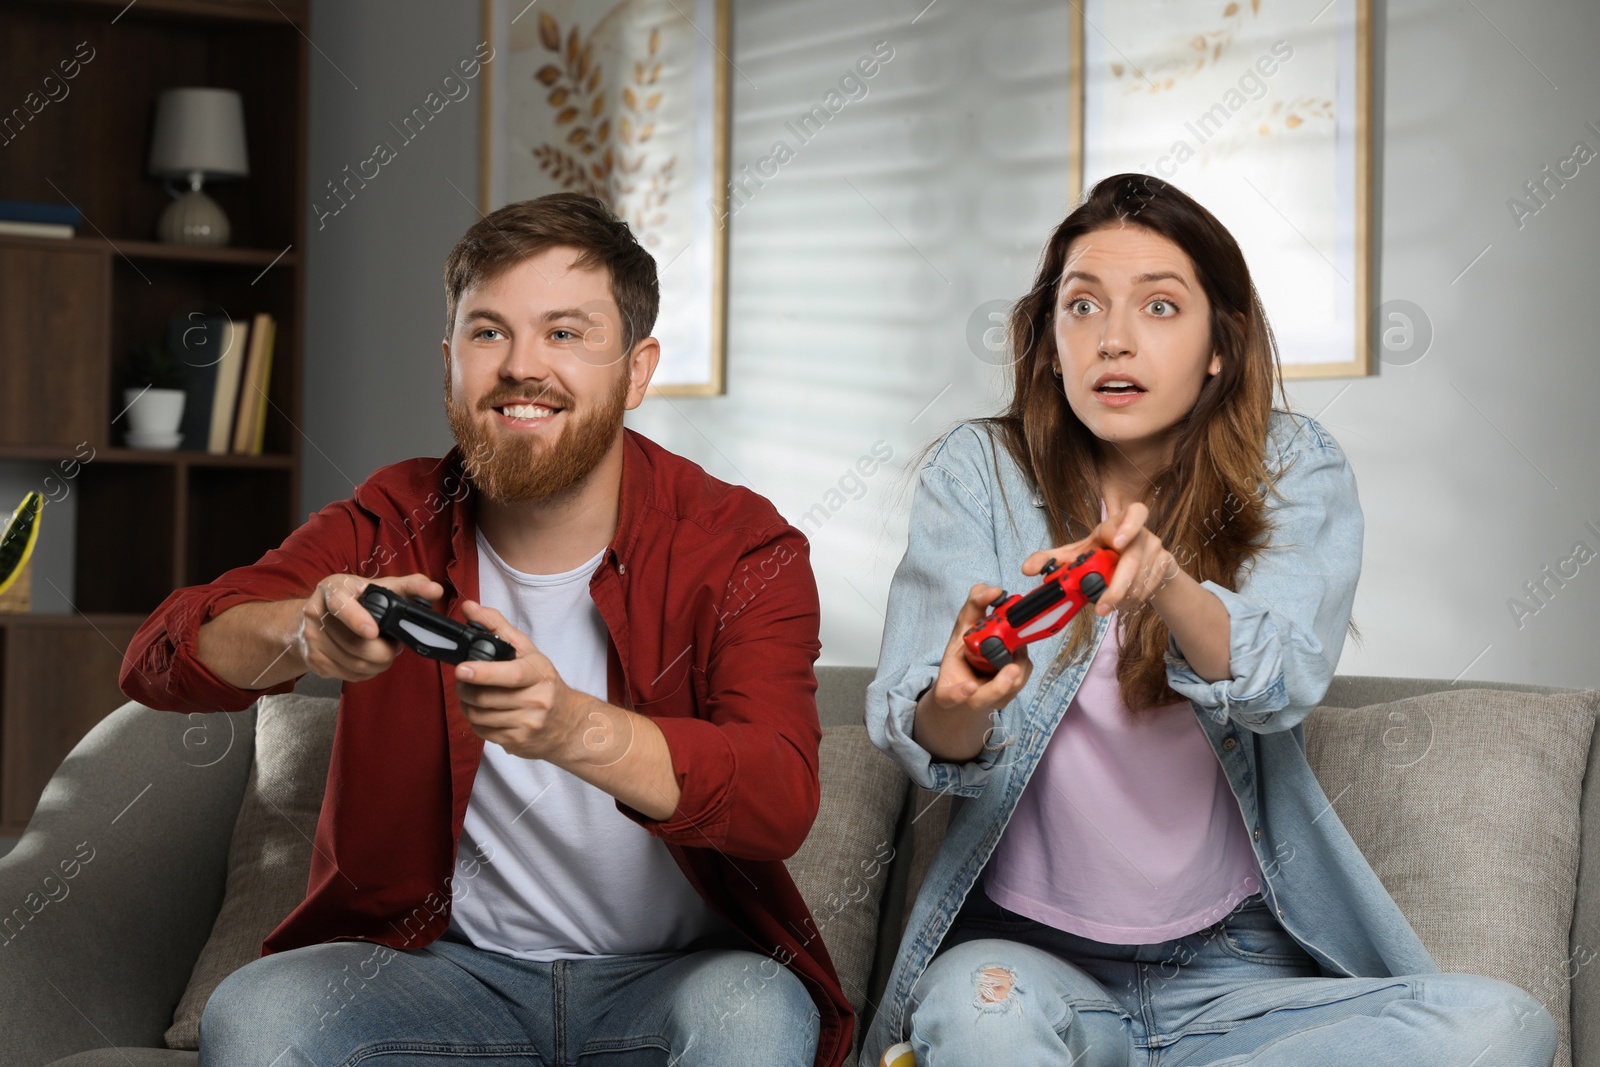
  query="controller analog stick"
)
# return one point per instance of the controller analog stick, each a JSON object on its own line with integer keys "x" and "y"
{"x": 994, "y": 650}
{"x": 1092, "y": 586}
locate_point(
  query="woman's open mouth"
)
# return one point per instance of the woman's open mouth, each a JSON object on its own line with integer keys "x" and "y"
{"x": 1117, "y": 394}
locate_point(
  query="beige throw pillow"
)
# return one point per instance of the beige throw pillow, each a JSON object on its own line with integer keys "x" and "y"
{"x": 269, "y": 860}
{"x": 1465, "y": 803}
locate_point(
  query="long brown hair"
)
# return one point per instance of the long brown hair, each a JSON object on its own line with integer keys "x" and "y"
{"x": 1208, "y": 505}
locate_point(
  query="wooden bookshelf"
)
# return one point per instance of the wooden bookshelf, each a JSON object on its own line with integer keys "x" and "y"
{"x": 148, "y": 521}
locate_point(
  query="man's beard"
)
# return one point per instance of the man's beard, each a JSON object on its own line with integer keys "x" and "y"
{"x": 516, "y": 468}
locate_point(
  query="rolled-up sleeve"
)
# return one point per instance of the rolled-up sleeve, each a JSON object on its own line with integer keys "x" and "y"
{"x": 162, "y": 668}
{"x": 950, "y": 545}
{"x": 1288, "y": 618}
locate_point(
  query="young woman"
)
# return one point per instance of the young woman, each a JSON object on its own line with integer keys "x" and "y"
{"x": 1140, "y": 865}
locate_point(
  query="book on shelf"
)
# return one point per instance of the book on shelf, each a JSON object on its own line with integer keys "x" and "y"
{"x": 35, "y": 229}
{"x": 250, "y": 421}
{"x": 40, "y": 212}
{"x": 199, "y": 342}
{"x": 227, "y": 398}
{"x": 228, "y": 366}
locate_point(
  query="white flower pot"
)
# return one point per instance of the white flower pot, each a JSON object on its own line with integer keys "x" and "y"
{"x": 153, "y": 417}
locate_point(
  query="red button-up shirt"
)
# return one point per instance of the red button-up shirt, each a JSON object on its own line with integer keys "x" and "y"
{"x": 713, "y": 616}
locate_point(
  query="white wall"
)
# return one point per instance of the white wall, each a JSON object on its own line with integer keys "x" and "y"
{"x": 855, "y": 272}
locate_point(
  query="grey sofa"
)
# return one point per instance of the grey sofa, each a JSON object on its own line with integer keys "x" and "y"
{"x": 91, "y": 977}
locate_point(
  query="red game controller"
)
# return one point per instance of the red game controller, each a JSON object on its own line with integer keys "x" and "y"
{"x": 1020, "y": 619}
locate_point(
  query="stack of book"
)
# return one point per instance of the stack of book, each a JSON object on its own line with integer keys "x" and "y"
{"x": 30, "y": 218}
{"x": 229, "y": 366}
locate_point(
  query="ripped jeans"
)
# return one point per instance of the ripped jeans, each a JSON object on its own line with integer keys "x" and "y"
{"x": 1004, "y": 989}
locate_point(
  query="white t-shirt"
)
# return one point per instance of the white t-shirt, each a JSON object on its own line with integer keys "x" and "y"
{"x": 547, "y": 868}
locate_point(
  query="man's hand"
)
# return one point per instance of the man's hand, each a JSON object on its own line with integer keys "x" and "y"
{"x": 338, "y": 638}
{"x": 525, "y": 707}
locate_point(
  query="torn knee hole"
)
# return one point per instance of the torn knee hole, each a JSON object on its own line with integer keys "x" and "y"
{"x": 994, "y": 985}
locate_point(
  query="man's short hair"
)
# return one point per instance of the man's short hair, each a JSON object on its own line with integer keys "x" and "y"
{"x": 522, "y": 230}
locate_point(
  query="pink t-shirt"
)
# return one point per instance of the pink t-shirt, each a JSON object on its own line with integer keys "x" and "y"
{"x": 1128, "y": 832}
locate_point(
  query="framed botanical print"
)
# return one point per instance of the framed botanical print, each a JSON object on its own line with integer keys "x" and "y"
{"x": 626, "y": 100}
{"x": 1260, "y": 110}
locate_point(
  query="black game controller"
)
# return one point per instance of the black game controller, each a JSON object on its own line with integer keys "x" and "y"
{"x": 424, "y": 631}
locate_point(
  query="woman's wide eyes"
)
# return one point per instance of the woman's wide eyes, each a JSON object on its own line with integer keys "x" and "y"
{"x": 1160, "y": 307}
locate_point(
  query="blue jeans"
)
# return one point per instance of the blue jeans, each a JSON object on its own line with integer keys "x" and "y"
{"x": 1005, "y": 989}
{"x": 350, "y": 1002}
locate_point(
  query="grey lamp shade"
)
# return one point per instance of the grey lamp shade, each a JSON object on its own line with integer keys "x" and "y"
{"x": 199, "y": 130}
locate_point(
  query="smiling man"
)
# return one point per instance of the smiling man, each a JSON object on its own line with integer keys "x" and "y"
{"x": 574, "y": 854}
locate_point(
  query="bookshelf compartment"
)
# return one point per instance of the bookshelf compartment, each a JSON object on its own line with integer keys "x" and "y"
{"x": 125, "y": 559}
{"x": 52, "y": 340}
{"x": 235, "y": 517}
{"x": 148, "y": 293}
{"x": 102, "y": 124}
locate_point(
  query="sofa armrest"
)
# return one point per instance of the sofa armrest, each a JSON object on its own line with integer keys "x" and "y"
{"x": 1583, "y": 961}
{"x": 108, "y": 897}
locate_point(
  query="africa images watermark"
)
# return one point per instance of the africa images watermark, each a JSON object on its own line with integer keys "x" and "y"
{"x": 53, "y": 90}
{"x": 1541, "y": 190}
{"x": 454, "y": 90}
{"x": 1251, "y": 86}
{"x": 52, "y": 889}
{"x": 1539, "y": 590}
{"x": 852, "y": 87}
{"x": 750, "y": 579}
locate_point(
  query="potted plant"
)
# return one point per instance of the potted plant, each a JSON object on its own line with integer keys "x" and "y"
{"x": 153, "y": 396}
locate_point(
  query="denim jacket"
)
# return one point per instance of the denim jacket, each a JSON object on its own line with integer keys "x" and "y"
{"x": 1287, "y": 626}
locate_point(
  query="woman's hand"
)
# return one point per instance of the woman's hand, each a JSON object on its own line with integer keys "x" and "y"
{"x": 1144, "y": 567}
{"x": 952, "y": 719}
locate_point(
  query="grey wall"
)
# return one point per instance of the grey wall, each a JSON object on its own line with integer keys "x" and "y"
{"x": 855, "y": 272}
{"x": 374, "y": 298}
{"x": 1477, "y": 464}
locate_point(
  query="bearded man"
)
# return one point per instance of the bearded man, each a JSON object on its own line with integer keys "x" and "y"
{"x": 574, "y": 855}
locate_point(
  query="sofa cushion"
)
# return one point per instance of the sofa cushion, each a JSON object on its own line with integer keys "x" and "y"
{"x": 269, "y": 860}
{"x": 840, "y": 870}
{"x": 843, "y": 867}
{"x": 127, "y": 1056}
{"x": 1465, "y": 804}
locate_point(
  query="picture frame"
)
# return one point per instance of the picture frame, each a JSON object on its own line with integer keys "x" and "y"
{"x": 1262, "y": 111}
{"x": 627, "y": 100}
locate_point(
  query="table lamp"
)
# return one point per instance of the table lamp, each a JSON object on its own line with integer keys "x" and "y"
{"x": 199, "y": 134}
